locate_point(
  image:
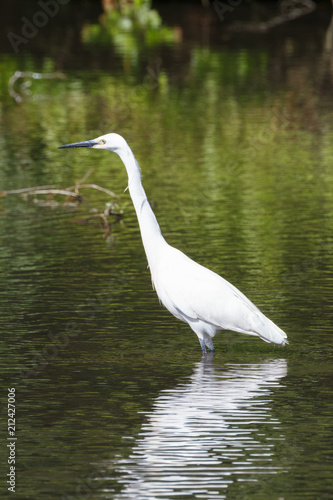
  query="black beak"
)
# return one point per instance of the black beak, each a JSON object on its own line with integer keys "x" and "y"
{"x": 84, "y": 144}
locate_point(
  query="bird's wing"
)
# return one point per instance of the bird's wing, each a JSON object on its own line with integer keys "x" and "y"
{"x": 195, "y": 290}
{"x": 198, "y": 293}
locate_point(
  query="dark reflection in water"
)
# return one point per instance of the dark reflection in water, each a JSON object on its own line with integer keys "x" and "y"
{"x": 212, "y": 431}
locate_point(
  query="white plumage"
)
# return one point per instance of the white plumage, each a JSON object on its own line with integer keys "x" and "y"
{"x": 191, "y": 292}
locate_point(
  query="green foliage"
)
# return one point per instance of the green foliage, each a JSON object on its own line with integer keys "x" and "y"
{"x": 129, "y": 26}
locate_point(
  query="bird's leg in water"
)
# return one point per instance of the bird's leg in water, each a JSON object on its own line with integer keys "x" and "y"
{"x": 203, "y": 346}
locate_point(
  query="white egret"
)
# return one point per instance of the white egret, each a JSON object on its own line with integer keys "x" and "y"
{"x": 191, "y": 292}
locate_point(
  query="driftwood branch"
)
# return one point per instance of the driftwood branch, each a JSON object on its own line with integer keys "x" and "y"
{"x": 289, "y": 11}
{"x": 24, "y": 190}
{"x": 64, "y": 192}
{"x": 73, "y": 192}
{"x": 52, "y": 190}
{"x": 80, "y": 185}
{"x": 85, "y": 177}
{"x": 99, "y": 188}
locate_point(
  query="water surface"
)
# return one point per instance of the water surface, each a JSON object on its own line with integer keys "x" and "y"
{"x": 234, "y": 137}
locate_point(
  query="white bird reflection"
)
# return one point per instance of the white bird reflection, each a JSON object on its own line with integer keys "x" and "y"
{"x": 215, "y": 429}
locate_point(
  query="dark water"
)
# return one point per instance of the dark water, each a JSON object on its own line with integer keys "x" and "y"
{"x": 233, "y": 131}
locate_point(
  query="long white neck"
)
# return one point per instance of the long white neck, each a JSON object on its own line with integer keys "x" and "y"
{"x": 151, "y": 234}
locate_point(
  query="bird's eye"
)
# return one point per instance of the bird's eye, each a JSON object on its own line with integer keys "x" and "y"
{"x": 101, "y": 142}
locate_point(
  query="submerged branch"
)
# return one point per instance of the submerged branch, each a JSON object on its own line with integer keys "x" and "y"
{"x": 29, "y": 74}
{"x": 112, "y": 208}
{"x": 105, "y": 221}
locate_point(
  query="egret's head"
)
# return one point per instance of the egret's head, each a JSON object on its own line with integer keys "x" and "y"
{"x": 112, "y": 142}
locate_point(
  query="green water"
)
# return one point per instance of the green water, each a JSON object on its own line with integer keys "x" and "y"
{"x": 234, "y": 135}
